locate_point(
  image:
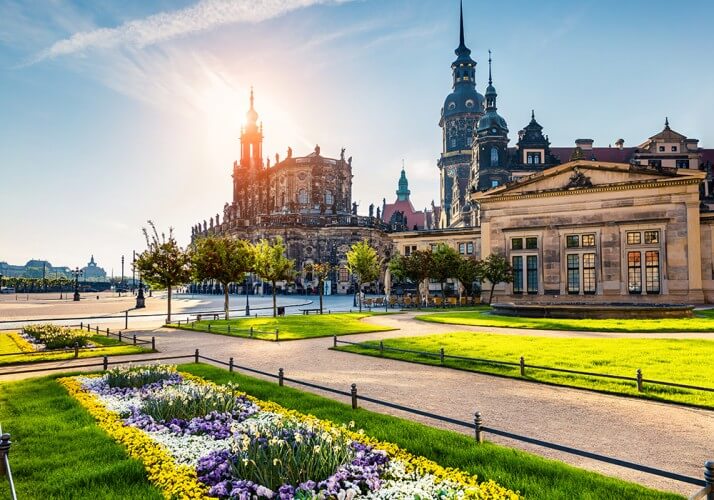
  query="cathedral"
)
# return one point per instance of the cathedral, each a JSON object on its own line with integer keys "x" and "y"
{"x": 306, "y": 200}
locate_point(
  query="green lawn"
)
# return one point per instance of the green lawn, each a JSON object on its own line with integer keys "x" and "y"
{"x": 111, "y": 347}
{"x": 702, "y": 322}
{"x": 685, "y": 361}
{"x": 58, "y": 452}
{"x": 290, "y": 327}
{"x": 533, "y": 476}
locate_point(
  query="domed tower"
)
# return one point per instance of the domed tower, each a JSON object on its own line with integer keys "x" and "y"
{"x": 462, "y": 109}
{"x": 490, "y": 150}
{"x": 249, "y": 176}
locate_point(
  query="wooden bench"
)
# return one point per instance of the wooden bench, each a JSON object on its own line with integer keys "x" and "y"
{"x": 306, "y": 312}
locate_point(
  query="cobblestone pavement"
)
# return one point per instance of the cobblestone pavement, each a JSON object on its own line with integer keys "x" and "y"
{"x": 665, "y": 436}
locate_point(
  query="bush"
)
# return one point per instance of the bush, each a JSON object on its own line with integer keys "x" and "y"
{"x": 57, "y": 337}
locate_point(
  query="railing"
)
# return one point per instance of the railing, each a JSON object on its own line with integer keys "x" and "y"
{"x": 5, "y": 462}
{"x": 476, "y": 425}
{"x": 521, "y": 364}
{"x": 249, "y": 332}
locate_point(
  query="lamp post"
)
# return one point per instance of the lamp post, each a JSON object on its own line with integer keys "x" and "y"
{"x": 140, "y": 300}
{"x": 133, "y": 271}
{"x": 247, "y": 303}
{"x": 76, "y": 273}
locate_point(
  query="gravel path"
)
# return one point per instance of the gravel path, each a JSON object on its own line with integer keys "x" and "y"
{"x": 670, "y": 437}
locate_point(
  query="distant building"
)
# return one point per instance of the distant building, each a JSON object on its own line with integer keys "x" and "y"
{"x": 33, "y": 269}
{"x": 92, "y": 272}
{"x": 401, "y": 214}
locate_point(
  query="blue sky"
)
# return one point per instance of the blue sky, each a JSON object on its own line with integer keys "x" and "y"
{"x": 118, "y": 112}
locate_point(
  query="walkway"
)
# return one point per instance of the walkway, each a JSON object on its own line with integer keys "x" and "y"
{"x": 669, "y": 437}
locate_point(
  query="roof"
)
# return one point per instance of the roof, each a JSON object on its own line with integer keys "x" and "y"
{"x": 413, "y": 216}
{"x": 610, "y": 155}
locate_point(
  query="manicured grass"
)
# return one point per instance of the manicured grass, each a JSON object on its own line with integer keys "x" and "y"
{"x": 110, "y": 347}
{"x": 58, "y": 452}
{"x": 290, "y": 327}
{"x": 683, "y": 361}
{"x": 533, "y": 476}
{"x": 702, "y": 322}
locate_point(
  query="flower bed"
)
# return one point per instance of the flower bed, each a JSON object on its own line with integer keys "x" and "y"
{"x": 49, "y": 336}
{"x": 202, "y": 440}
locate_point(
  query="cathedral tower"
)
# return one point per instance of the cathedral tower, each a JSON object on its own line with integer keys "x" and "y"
{"x": 462, "y": 109}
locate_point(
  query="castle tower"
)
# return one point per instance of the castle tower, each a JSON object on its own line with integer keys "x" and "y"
{"x": 462, "y": 109}
{"x": 403, "y": 190}
{"x": 251, "y": 139}
{"x": 490, "y": 156}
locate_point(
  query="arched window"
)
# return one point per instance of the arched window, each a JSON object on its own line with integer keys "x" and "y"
{"x": 302, "y": 197}
{"x": 494, "y": 157}
{"x": 329, "y": 199}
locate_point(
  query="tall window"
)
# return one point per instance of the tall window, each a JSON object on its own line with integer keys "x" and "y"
{"x": 344, "y": 275}
{"x": 532, "y": 273}
{"x": 302, "y": 197}
{"x": 517, "y": 263}
{"x": 329, "y": 199}
{"x": 573, "y": 273}
{"x": 634, "y": 272}
{"x": 494, "y": 157}
{"x": 652, "y": 271}
{"x": 589, "y": 273}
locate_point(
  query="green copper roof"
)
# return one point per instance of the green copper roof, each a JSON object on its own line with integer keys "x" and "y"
{"x": 403, "y": 191}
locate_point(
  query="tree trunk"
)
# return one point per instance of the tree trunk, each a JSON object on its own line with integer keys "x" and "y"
{"x": 225, "y": 301}
{"x": 275, "y": 303}
{"x": 359, "y": 296}
{"x": 490, "y": 295}
{"x": 168, "y": 317}
{"x": 322, "y": 286}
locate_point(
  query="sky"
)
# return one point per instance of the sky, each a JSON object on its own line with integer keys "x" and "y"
{"x": 115, "y": 112}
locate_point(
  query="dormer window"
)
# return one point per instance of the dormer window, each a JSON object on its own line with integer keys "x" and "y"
{"x": 533, "y": 158}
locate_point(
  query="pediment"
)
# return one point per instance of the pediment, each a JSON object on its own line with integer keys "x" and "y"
{"x": 582, "y": 174}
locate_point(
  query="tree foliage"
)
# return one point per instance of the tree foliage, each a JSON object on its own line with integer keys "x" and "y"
{"x": 224, "y": 259}
{"x": 363, "y": 263}
{"x": 164, "y": 264}
{"x": 272, "y": 265}
{"x": 445, "y": 262}
{"x": 495, "y": 269}
{"x": 468, "y": 273}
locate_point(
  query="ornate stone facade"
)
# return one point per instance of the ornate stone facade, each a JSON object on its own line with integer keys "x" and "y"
{"x": 306, "y": 200}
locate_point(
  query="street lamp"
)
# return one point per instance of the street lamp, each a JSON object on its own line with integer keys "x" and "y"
{"x": 140, "y": 301}
{"x": 133, "y": 271}
{"x": 76, "y": 273}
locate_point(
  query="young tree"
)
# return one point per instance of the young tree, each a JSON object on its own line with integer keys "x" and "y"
{"x": 272, "y": 265}
{"x": 363, "y": 263}
{"x": 445, "y": 265}
{"x": 495, "y": 269}
{"x": 164, "y": 263}
{"x": 223, "y": 259}
{"x": 321, "y": 270}
{"x": 416, "y": 267}
{"x": 468, "y": 273}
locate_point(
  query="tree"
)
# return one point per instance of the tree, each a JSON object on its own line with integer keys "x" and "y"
{"x": 445, "y": 264}
{"x": 272, "y": 265}
{"x": 223, "y": 259}
{"x": 164, "y": 263}
{"x": 495, "y": 269}
{"x": 468, "y": 273}
{"x": 416, "y": 267}
{"x": 363, "y": 263}
{"x": 321, "y": 270}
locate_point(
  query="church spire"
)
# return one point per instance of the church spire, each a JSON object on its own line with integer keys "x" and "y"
{"x": 490, "y": 80}
{"x": 461, "y": 24}
{"x": 403, "y": 191}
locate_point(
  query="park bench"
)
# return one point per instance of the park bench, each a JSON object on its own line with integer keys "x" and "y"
{"x": 306, "y": 312}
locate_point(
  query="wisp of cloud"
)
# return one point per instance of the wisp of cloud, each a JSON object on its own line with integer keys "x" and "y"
{"x": 203, "y": 16}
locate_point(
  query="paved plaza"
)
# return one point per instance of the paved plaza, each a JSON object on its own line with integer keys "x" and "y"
{"x": 666, "y": 436}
